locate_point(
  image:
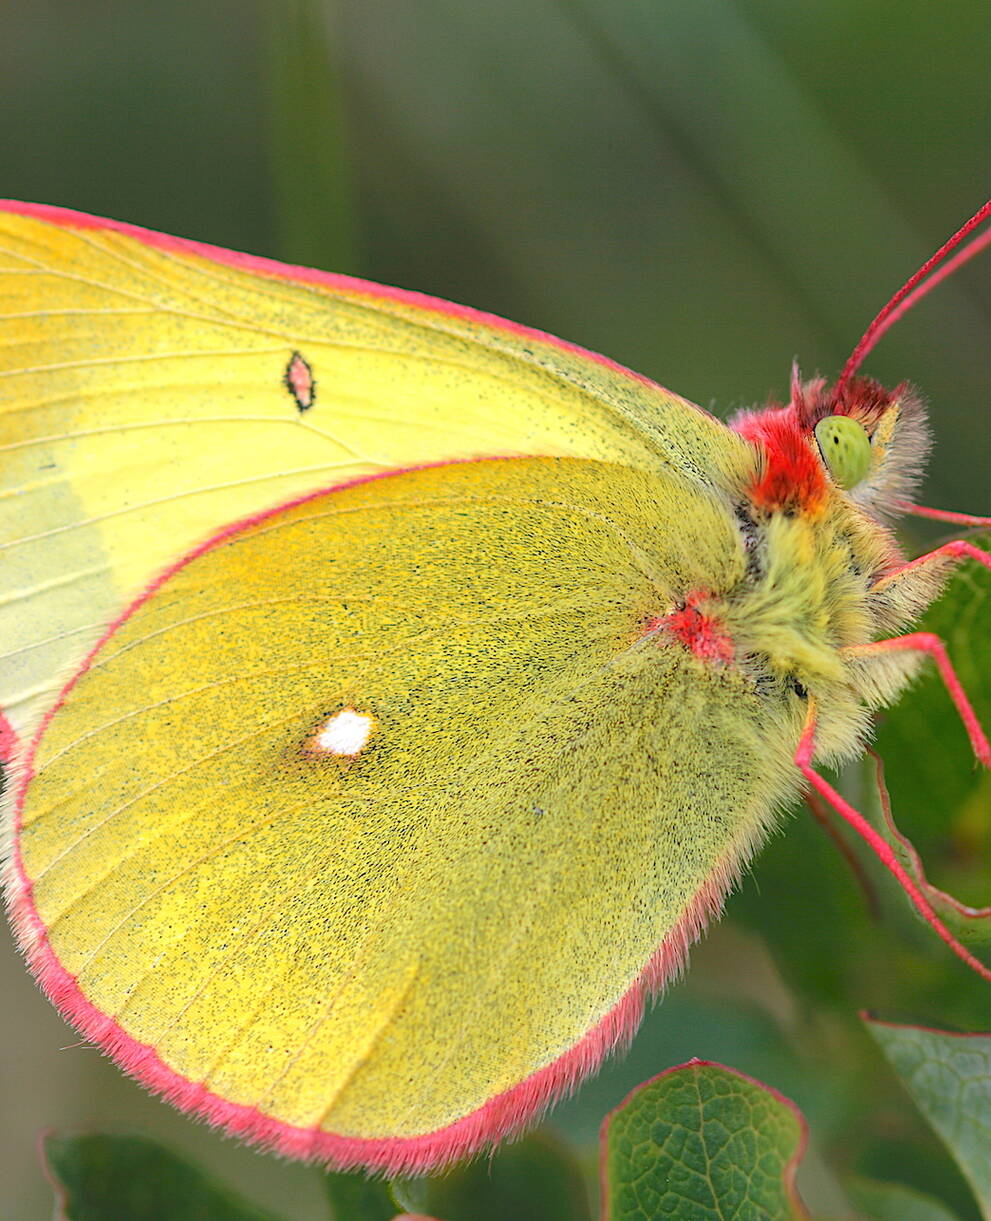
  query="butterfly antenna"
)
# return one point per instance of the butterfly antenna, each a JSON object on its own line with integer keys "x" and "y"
{"x": 913, "y": 290}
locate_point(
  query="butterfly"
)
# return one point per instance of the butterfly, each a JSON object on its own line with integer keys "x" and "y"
{"x": 392, "y": 693}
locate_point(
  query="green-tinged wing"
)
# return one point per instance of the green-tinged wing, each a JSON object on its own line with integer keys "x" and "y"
{"x": 370, "y": 937}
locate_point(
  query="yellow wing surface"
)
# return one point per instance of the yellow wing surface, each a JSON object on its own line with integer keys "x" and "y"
{"x": 154, "y": 390}
{"x": 389, "y": 948}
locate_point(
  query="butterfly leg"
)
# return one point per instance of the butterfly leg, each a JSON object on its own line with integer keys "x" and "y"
{"x": 958, "y": 519}
{"x": 928, "y": 643}
{"x": 959, "y": 549}
{"x": 842, "y": 846}
{"x": 905, "y": 593}
{"x": 915, "y": 583}
{"x": 876, "y": 842}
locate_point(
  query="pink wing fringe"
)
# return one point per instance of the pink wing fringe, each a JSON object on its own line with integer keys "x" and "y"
{"x": 8, "y": 740}
{"x": 502, "y": 1115}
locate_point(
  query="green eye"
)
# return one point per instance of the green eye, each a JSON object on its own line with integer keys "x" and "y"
{"x": 846, "y": 449}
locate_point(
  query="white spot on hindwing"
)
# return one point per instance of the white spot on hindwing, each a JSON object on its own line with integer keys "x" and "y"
{"x": 344, "y": 734}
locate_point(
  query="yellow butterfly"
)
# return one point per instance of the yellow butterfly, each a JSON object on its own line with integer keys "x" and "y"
{"x": 395, "y": 691}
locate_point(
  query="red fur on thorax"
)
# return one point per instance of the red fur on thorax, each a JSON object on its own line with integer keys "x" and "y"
{"x": 791, "y": 475}
{"x": 697, "y": 629}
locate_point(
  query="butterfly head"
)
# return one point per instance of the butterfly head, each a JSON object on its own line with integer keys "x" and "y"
{"x": 872, "y": 441}
{"x": 857, "y": 437}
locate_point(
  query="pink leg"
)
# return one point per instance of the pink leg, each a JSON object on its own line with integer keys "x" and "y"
{"x": 926, "y": 642}
{"x": 958, "y": 519}
{"x": 877, "y": 844}
{"x": 959, "y": 549}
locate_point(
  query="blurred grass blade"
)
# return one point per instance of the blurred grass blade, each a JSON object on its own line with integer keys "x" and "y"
{"x": 746, "y": 135}
{"x": 409, "y": 1193}
{"x": 971, "y": 926}
{"x": 310, "y": 168}
{"x": 949, "y": 1077}
{"x": 128, "y": 1178}
{"x": 706, "y": 1142}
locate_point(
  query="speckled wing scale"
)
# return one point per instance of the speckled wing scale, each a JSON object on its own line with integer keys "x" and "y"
{"x": 429, "y": 879}
{"x": 451, "y": 675}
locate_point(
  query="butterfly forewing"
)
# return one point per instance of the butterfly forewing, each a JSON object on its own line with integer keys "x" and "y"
{"x": 153, "y": 391}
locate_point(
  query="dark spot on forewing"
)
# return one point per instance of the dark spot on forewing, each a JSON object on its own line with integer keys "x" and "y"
{"x": 298, "y": 380}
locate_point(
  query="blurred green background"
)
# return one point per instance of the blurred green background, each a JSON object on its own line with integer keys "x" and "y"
{"x": 703, "y": 189}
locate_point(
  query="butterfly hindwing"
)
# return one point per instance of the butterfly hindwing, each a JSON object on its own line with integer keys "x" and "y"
{"x": 373, "y": 939}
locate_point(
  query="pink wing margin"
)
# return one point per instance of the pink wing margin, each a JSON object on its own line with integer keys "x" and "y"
{"x": 503, "y": 1114}
{"x": 71, "y": 219}
{"x": 500, "y": 1117}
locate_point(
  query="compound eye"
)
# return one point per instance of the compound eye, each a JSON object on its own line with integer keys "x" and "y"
{"x": 845, "y": 448}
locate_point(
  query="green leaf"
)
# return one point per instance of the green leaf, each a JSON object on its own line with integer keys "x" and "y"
{"x": 894, "y": 1202}
{"x": 703, "y": 1142}
{"x": 128, "y": 1178}
{"x": 410, "y": 1194}
{"x": 949, "y": 1077}
{"x": 938, "y": 794}
{"x": 353, "y": 1197}
{"x": 536, "y": 1179}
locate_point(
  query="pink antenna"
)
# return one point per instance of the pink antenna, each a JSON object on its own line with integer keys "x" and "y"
{"x": 905, "y": 297}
